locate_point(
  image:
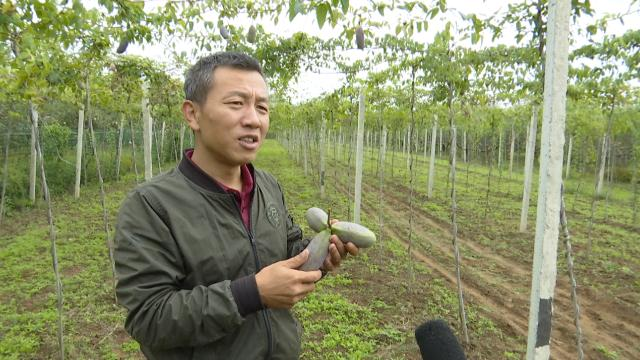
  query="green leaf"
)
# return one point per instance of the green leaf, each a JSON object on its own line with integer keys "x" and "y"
{"x": 475, "y": 37}
{"x": 381, "y": 9}
{"x": 321, "y": 14}
{"x": 294, "y": 7}
{"x": 345, "y": 6}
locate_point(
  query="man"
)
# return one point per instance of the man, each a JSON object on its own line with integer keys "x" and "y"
{"x": 206, "y": 254}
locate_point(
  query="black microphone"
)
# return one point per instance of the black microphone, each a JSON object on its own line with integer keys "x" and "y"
{"x": 437, "y": 341}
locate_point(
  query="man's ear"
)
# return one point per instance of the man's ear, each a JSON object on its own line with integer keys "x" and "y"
{"x": 191, "y": 113}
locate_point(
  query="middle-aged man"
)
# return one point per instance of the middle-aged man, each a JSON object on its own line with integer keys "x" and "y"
{"x": 206, "y": 254}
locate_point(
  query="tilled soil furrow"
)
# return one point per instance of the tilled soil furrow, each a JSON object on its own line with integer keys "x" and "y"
{"x": 597, "y": 323}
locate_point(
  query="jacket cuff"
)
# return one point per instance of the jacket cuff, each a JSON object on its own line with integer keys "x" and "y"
{"x": 246, "y": 295}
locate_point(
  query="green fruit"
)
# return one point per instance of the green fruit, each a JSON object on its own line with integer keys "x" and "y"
{"x": 318, "y": 250}
{"x": 122, "y": 47}
{"x": 355, "y": 233}
{"x": 317, "y": 219}
{"x": 251, "y": 35}
{"x": 224, "y": 33}
{"x": 360, "y": 38}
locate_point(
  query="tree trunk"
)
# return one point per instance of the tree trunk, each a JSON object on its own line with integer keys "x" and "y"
{"x": 133, "y": 149}
{"x": 52, "y": 232}
{"x": 383, "y": 151}
{"x": 304, "y": 151}
{"x": 432, "y": 162}
{"x": 464, "y": 146}
{"x": 155, "y": 140}
{"x": 500, "y": 150}
{"x": 528, "y": 169}
{"x": 568, "y": 166}
{"x": 426, "y": 141}
{"x": 147, "y": 133}
{"x": 603, "y": 160}
{"x": 33, "y": 161}
{"x": 162, "y": 144}
{"x": 181, "y": 136}
{"x": 409, "y": 135}
{"x": 5, "y": 172}
{"x": 359, "y": 159}
{"x": 119, "y": 149}
{"x": 322, "y": 157}
{"x": 513, "y": 141}
{"x": 79, "y": 147}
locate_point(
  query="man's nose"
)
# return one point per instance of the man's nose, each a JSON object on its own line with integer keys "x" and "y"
{"x": 251, "y": 117}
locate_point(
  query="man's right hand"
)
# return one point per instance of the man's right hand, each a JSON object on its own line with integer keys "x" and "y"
{"x": 281, "y": 286}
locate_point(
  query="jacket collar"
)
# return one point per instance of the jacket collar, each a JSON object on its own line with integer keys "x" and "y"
{"x": 194, "y": 173}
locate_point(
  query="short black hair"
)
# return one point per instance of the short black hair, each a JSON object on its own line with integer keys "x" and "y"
{"x": 199, "y": 77}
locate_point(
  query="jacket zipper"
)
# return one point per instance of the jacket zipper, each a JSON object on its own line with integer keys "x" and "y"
{"x": 265, "y": 313}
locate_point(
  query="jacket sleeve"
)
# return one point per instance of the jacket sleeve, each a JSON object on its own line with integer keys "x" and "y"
{"x": 295, "y": 242}
{"x": 149, "y": 271}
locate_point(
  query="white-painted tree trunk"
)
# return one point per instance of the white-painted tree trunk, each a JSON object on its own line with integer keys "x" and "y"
{"x": 568, "y": 166}
{"x": 426, "y": 140}
{"x": 181, "y": 137}
{"x": 409, "y": 148}
{"x": 304, "y": 151}
{"x": 603, "y": 161}
{"x": 549, "y": 189}
{"x": 119, "y": 150}
{"x": 134, "y": 157}
{"x": 322, "y": 155}
{"x": 34, "y": 159}
{"x": 441, "y": 144}
{"x": 511, "y": 151}
{"x": 359, "y": 159}
{"x": 500, "y": 150}
{"x": 161, "y": 146}
{"x": 432, "y": 162}
{"x": 383, "y": 152}
{"x": 79, "y": 147}
{"x": 464, "y": 146}
{"x": 528, "y": 169}
{"x": 147, "y": 134}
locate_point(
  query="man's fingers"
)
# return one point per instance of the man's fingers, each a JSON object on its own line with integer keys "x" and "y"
{"x": 339, "y": 245}
{"x": 298, "y": 260}
{"x": 351, "y": 248}
{"x": 309, "y": 277}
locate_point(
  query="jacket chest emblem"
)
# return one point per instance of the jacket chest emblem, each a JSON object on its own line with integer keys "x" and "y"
{"x": 273, "y": 216}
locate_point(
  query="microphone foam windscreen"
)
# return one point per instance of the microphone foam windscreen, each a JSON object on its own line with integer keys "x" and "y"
{"x": 437, "y": 341}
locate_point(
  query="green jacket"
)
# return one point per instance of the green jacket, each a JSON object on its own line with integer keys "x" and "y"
{"x": 186, "y": 268}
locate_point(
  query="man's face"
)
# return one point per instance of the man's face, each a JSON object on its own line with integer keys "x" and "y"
{"x": 234, "y": 119}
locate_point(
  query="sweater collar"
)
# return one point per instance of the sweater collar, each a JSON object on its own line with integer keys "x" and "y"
{"x": 194, "y": 173}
